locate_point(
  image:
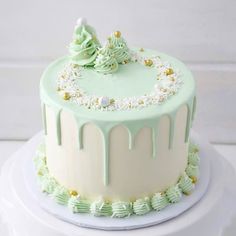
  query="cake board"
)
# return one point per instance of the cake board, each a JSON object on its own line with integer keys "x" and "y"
{"x": 25, "y": 215}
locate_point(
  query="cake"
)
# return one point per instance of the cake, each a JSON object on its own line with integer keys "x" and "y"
{"x": 116, "y": 122}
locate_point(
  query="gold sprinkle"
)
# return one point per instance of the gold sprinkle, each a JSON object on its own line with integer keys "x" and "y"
{"x": 125, "y": 62}
{"x": 141, "y": 102}
{"x": 162, "y": 193}
{"x": 172, "y": 79}
{"x": 78, "y": 94}
{"x": 148, "y": 62}
{"x": 66, "y": 96}
{"x": 73, "y": 193}
{"x": 40, "y": 173}
{"x": 187, "y": 194}
{"x": 141, "y": 50}
{"x": 58, "y": 89}
{"x": 163, "y": 90}
{"x": 195, "y": 150}
{"x": 110, "y": 46}
{"x": 194, "y": 179}
{"x": 75, "y": 65}
{"x": 112, "y": 101}
{"x": 132, "y": 199}
{"x": 117, "y": 34}
{"x": 169, "y": 71}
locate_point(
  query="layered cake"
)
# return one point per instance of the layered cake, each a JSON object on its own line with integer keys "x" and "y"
{"x": 116, "y": 121}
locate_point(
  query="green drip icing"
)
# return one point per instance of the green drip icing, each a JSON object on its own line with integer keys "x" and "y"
{"x": 132, "y": 132}
{"x": 44, "y": 118}
{"x": 131, "y": 139}
{"x": 189, "y": 119}
{"x": 58, "y": 125}
{"x": 172, "y": 117}
{"x": 194, "y": 107}
{"x": 80, "y": 135}
{"x": 106, "y": 145}
{"x": 80, "y": 128}
{"x": 154, "y": 143}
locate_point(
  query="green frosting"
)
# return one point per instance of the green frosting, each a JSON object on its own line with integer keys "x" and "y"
{"x": 159, "y": 201}
{"x": 101, "y": 208}
{"x": 119, "y": 48}
{"x": 142, "y": 206}
{"x": 192, "y": 171}
{"x": 174, "y": 194}
{"x": 40, "y": 164}
{"x": 186, "y": 184}
{"x": 48, "y": 184}
{"x": 83, "y": 48}
{"x": 78, "y": 205}
{"x": 193, "y": 159}
{"x": 105, "y": 62}
{"x": 193, "y": 148}
{"x": 61, "y": 195}
{"x": 122, "y": 209}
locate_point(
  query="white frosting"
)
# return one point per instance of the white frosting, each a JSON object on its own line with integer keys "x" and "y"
{"x": 81, "y": 21}
{"x": 133, "y": 173}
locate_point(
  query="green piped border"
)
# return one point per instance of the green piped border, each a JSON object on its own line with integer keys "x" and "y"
{"x": 118, "y": 209}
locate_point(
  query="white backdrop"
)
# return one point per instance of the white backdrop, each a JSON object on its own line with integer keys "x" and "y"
{"x": 201, "y": 33}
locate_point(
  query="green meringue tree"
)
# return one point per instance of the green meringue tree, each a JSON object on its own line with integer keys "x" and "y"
{"x": 83, "y": 49}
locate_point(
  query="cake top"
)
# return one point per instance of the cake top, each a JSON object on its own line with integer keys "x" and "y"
{"x": 113, "y": 78}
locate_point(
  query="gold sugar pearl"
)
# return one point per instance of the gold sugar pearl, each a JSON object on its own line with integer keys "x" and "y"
{"x": 148, "y": 62}
{"x": 66, "y": 96}
{"x": 162, "y": 193}
{"x": 73, "y": 193}
{"x": 117, "y": 34}
{"x": 163, "y": 90}
{"x": 112, "y": 101}
{"x": 141, "y": 102}
{"x": 169, "y": 71}
{"x": 125, "y": 62}
{"x": 194, "y": 179}
{"x": 110, "y": 46}
{"x": 141, "y": 50}
{"x": 172, "y": 79}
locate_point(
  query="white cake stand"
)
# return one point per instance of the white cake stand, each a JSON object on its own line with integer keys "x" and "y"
{"x": 24, "y": 215}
